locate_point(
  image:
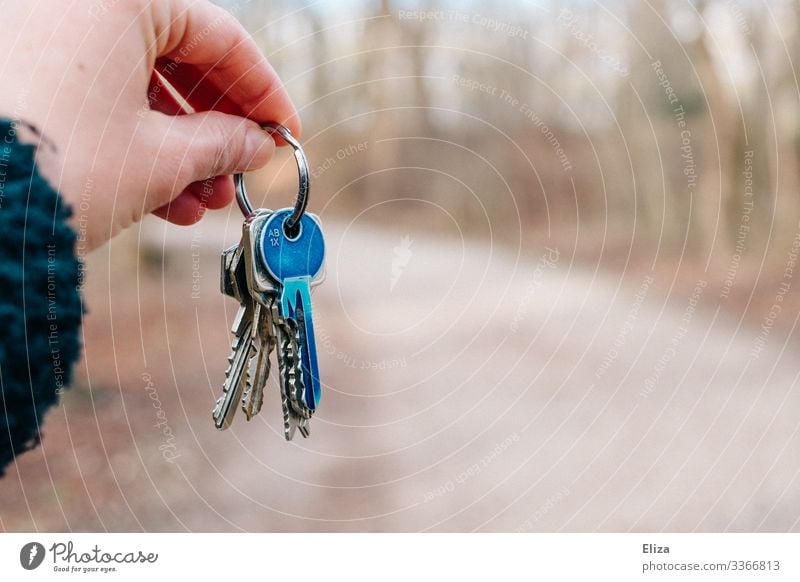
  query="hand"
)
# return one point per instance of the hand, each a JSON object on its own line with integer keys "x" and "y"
{"x": 115, "y": 144}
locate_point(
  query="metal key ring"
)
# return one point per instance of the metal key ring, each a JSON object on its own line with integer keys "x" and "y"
{"x": 302, "y": 169}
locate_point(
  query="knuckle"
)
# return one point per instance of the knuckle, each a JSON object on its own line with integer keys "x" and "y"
{"x": 221, "y": 151}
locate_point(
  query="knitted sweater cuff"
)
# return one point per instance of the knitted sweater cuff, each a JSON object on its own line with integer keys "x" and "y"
{"x": 40, "y": 305}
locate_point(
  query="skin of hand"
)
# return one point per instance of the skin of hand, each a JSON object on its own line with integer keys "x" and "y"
{"x": 112, "y": 140}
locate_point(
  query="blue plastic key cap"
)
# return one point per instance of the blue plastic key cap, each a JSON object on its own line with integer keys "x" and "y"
{"x": 295, "y": 262}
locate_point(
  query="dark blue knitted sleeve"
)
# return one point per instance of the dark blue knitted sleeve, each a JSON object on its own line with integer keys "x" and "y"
{"x": 40, "y": 303}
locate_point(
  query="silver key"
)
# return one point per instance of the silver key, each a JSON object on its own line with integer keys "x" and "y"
{"x": 264, "y": 337}
{"x": 262, "y": 292}
{"x": 237, "y": 374}
{"x": 291, "y": 375}
{"x": 233, "y": 282}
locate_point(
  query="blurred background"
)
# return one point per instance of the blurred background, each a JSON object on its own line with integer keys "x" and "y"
{"x": 561, "y": 293}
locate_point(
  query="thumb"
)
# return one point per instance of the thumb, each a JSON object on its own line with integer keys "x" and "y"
{"x": 199, "y": 146}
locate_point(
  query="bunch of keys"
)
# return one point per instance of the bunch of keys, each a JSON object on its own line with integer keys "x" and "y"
{"x": 270, "y": 273}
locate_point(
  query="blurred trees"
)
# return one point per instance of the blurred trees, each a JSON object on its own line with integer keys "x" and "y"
{"x": 643, "y": 123}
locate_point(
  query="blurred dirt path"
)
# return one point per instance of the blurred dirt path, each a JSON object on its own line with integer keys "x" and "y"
{"x": 467, "y": 388}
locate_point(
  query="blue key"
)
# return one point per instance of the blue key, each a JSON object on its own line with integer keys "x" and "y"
{"x": 294, "y": 262}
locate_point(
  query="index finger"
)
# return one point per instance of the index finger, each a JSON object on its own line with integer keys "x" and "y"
{"x": 217, "y": 46}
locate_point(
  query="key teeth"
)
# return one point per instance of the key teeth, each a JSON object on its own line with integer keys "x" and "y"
{"x": 217, "y": 406}
{"x": 305, "y": 428}
{"x": 241, "y": 352}
{"x": 295, "y": 372}
{"x": 304, "y": 411}
{"x": 253, "y": 399}
{"x": 287, "y": 366}
{"x": 248, "y": 389}
{"x": 219, "y": 420}
{"x": 288, "y": 425}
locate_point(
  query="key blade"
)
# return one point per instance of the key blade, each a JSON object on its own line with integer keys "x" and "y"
{"x": 296, "y": 303}
{"x": 284, "y": 369}
{"x": 254, "y": 397}
{"x": 235, "y": 379}
{"x": 295, "y": 414}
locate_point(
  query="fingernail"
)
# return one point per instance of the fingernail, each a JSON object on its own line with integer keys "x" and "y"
{"x": 258, "y": 149}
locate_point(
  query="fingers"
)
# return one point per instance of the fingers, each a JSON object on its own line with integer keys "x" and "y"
{"x": 196, "y": 90}
{"x": 201, "y": 45}
{"x": 191, "y": 204}
{"x": 193, "y": 148}
{"x": 214, "y": 193}
{"x": 208, "y": 57}
{"x": 160, "y": 98}
{"x": 185, "y": 210}
{"x": 194, "y": 86}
